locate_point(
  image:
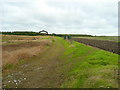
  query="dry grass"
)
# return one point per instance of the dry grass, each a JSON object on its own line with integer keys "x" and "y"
{"x": 0, "y": 57}
{"x": 19, "y": 37}
{"x": 16, "y": 55}
{"x": 11, "y": 54}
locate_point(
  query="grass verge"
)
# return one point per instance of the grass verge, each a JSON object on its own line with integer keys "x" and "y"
{"x": 89, "y": 67}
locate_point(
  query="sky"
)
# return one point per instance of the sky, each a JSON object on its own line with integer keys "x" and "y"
{"x": 93, "y": 17}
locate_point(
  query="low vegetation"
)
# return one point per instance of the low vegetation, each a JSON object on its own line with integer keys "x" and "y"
{"x": 65, "y": 64}
{"x": 17, "y": 48}
{"x": 90, "y": 67}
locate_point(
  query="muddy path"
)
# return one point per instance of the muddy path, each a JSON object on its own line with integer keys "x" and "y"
{"x": 42, "y": 71}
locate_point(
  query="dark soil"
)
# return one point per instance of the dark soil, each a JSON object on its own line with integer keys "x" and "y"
{"x": 102, "y": 44}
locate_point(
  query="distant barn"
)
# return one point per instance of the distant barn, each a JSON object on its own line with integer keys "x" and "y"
{"x": 43, "y": 32}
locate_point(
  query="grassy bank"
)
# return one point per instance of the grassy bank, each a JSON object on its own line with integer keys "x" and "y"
{"x": 89, "y": 67}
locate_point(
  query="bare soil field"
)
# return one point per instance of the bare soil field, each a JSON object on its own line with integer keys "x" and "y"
{"x": 102, "y": 44}
{"x": 108, "y": 38}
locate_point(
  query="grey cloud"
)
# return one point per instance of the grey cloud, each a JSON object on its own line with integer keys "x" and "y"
{"x": 62, "y": 16}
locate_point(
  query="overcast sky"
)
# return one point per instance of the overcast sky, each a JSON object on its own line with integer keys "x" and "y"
{"x": 96, "y": 17}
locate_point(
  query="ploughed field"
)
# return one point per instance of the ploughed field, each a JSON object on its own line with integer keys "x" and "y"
{"x": 52, "y": 62}
{"x": 105, "y": 43}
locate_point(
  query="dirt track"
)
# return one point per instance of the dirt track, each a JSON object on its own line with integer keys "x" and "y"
{"x": 43, "y": 71}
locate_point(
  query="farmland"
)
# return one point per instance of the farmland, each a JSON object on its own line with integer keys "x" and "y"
{"x": 52, "y": 62}
{"x": 107, "y": 38}
{"x": 104, "y": 44}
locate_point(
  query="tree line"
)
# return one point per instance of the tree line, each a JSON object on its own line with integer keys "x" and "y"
{"x": 31, "y": 33}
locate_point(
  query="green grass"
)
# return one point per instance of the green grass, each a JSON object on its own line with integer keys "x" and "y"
{"x": 89, "y": 67}
{"x": 9, "y": 66}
